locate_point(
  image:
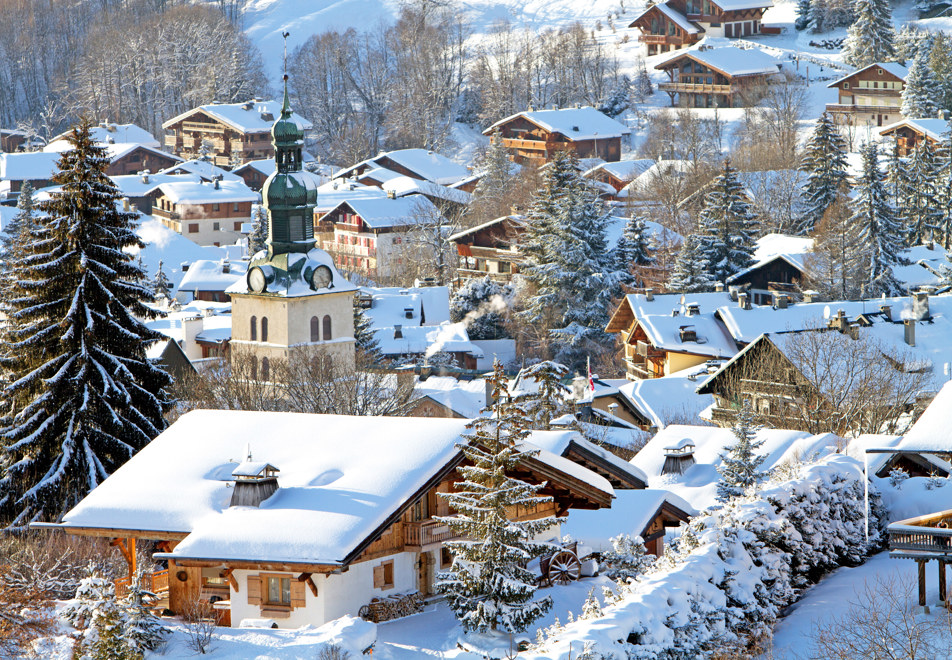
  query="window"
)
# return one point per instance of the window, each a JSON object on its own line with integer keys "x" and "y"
{"x": 879, "y": 72}
{"x": 265, "y": 368}
{"x": 216, "y": 207}
{"x": 383, "y": 575}
{"x": 236, "y": 207}
{"x": 327, "y": 327}
{"x": 846, "y": 85}
{"x": 446, "y": 557}
{"x": 254, "y": 328}
{"x": 278, "y": 590}
{"x": 237, "y": 226}
{"x": 264, "y": 328}
{"x": 216, "y": 226}
{"x": 193, "y": 228}
{"x": 254, "y": 368}
{"x": 315, "y": 329}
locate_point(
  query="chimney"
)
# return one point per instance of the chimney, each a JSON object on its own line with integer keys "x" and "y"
{"x": 910, "y": 332}
{"x": 811, "y": 296}
{"x": 781, "y": 300}
{"x": 184, "y": 267}
{"x": 217, "y": 181}
{"x": 225, "y": 267}
{"x": 743, "y": 300}
{"x": 408, "y": 312}
{"x": 687, "y": 333}
{"x": 145, "y": 175}
{"x": 886, "y": 311}
{"x": 398, "y": 331}
{"x": 693, "y": 309}
{"x": 125, "y": 203}
{"x": 853, "y": 331}
{"x": 254, "y": 483}
{"x": 678, "y": 457}
{"x": 839, "y": 321}
{"x": 920, "y": 305}
{"x": 391, "y": 194}
{"x": 719, "y": 286}
{"x": 649, "y": 294}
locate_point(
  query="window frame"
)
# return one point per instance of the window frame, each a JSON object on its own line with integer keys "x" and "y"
{"x": 266, "y": 579}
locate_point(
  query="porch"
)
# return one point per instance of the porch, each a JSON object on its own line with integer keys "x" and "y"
{"x": 924, "y": 539}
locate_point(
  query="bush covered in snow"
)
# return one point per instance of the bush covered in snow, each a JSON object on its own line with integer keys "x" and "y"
{"x": 722, "y": 585}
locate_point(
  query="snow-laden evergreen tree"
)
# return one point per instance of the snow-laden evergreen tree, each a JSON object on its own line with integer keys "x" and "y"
{"x": 824, "y": 162}
{"x": 642, "y": 87}
{"x": 591, "y": 608}
{"x": 494, "y": 188}
{"x": 482, "y": 305}
{"x": 740, "y": 466}
{"x": 543, "y": 394}
{"x": 487, "y": 586}
{"x": 627, "y": 560}
{"x": 909, "y": 41}
{"x": 803, "y": 15}
{"x": 566, "y": 263}
{"x": 161, "y": 284}
{"x": 691, "y": 271}
{"x": 632, "y": 250}
{"x": 871, "y": 37}
{"x": 257, "y": 239}
{"x": 618, "y": 99}
{"x": 922, "y": 90}
{"x": 943, "y": 186}
{"x": 874, "y": 221}
{"x": 727, "y": 227}
{"x": 82, "y": 397}
{"x": 921, "y": 214}
{"x": 142, "y": 630}
{"x": 834, "y": 265}
{"x": 365, "y": 341}
{"x": 898, "y": 179}
{"x": 940, "y": 61}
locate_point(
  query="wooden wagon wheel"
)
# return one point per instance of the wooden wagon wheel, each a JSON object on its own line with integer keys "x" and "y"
{"x": 564, "y": 567}
{"x": 364, "y": 613}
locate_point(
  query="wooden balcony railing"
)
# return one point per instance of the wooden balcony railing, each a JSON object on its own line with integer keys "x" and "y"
{"x": 843, "y": 107}
{"x": 927, "y": 536}
{"x": 157, "y": 583}
{"x": 472, "y": 273}
{"x": 427, "y": 532}
{"x": 162, "y": 213}
{"x": 669, "y": 39}
{"x": 696, "y": 88}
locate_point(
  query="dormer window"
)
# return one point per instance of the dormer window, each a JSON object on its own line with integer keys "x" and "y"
{"x": 846, "y": 85}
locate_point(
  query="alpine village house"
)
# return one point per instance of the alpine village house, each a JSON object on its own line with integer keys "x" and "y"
{"x": 674, "y": 24}
{"x": 724, "y": 77}
{"x": 871, "y": 96}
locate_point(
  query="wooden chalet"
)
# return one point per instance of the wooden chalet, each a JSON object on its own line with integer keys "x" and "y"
{"x": 316, "y": 552}
{"x": 420, "y": 164}
{"x": 619, "y": 174}
{"x": 871, "y": 96}
{"x": 490, "y": 249}
{"x": 37, "y": 167}
{"x": 908, "y": 134}
{"x": 137, "y": 158}
{"x": 669, "y": 333}
{"x": 723, "y": 77}
{"x": 12, "y": 140}
{"x": 674, "y": 24}
{"x": 535, "y": 136}
{"x": 207, "y": 213}
{"x": 232, "y": 133}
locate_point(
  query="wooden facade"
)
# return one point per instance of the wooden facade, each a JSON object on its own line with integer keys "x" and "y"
{"x": 694, "y": 83}
{"x": 906, "y": 135}
{"x": 764, "y": 281}
{"x": 675, "y": 24}
{"x": 491, "y": 249}
{"x": 531, "y": 144}
{"x": 212, "y": 223}
{"x": 871, "y": 96}
{"x": 229, "y": 145}
{"x": 138, "y": 159}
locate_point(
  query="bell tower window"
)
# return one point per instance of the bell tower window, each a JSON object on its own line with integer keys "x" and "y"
{"x": 254, "y": 328}
{"x": 264, "y": 328}
{"x": 315, "y": 329}
{"x": 327, "y": 327}
{"x": 265, "y": 368}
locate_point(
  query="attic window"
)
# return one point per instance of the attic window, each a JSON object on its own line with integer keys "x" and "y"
{"x": 575, "y": 128}
{"x": 879, "y": 72}
{"x": 846, "y": 85}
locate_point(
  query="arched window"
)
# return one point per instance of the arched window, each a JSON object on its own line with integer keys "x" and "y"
{"x": 254, "y": 368}
{"x": 327, "y": 327}
{"x": 315, "y": 329}
{"x": 254, "y": 328}
{"x": 264, "y": 328}
{"x": 265, "y": 368}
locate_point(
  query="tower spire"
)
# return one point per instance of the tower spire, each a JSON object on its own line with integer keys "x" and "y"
{"x": 286, "y": 108}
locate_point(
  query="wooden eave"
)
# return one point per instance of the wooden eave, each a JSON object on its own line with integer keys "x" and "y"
{"x": 114, "y": 532}
{"x": 886, "y": 75}
{"x": 244, "y": 564}
{"x": 616, "y": 476}
{"x": 673, "y": 516}
{"x": 566, "y": 489}
{"x": 730, "y": 76}
{"x": 622, "y": 317}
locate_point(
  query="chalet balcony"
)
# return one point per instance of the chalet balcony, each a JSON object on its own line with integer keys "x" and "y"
{"x": 694, "y": 88}
{"x": 533, "y": 145}
{"x": 426, "y": 533}
{"x": 664, "y": 39}
{"x": 852, "y": 108}
{"x": 638, "y": 369}
{"x": 202, "y": 127}
{"x": 472, "y": 273}
{"x": 162, "y": 213}
{"x": 922, "y": 537}
{"x": 354, "y": 250}
{"x": 173, "y": 142}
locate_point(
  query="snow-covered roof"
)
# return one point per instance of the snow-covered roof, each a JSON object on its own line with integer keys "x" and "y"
{"x": 426, "y": 164}
{"x": 677, "y": 17}
{"x": 330, "y": 195}
{"x": 574, "y": 123}
{"x": 934, "y": 428}
{"x": 655, "y": 231}
{"x": 895, "y": 68}
{"x": 404, "y": 185}
{"x": 672, "y": 397}
{"x": 108, "y": 132}
{"x": 623, "y": 170}
{"x": 730, "y": 61}
{"x": 932, "y": 127}
{"x": 169, "y": 247}
{"x": 28, "y": 166}
{"x": 380, "y": 212}
{"x": 417, "y": 340}
{"x": 215, "y": 322}
{"x": 202, "y": 168}
{"x": 249, "y": 117}
{"x": 430, "y": 305}
{"x": 562, "y": 442}
{"x": 792, "y": 249}
{"x": 517, "y": 219}
{"x": 466, "y": 398}
{"x": 202, "y": 192}
{"x": 207, "y": 275}
{"x": 340, "y": 482}
{"x": 664, "y": 331}
{"x": 659, "y": 169}
{"x": 631, "y": 513}
{"x": 137, "y": 185}
{"x": 698, "y": 484}
{"x": 739, "y": 5}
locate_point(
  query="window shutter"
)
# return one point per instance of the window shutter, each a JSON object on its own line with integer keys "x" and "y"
{"x": 254, "y": 589}
{"x": 378, "y": 577}
{"x": 297, "y": 593}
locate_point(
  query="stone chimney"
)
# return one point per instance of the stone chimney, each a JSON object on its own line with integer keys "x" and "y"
{"x": 781, "y": 300}
{"x": 839, "y": 322}
{"x": 743, "y": 300}
{"x": 920, "y": 305}
{"x": 886, "y": 311}
{"x": 719, "y": 286}
{"x": 145, "y": 175}
{"x": 909, "y": 334}
{"x": 649, "y": 294}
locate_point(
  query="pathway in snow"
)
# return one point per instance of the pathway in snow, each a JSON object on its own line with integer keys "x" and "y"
{"x": 832, "y": 596}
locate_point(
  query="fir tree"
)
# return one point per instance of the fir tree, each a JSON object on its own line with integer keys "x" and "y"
{"x": 727, "y": 227}
{"x": 495, "y": 186}
{"x": 803, "y": 15}
{"x": 487, "y": 586}
{"x": 259, "y": 235}
{"x": 691, "y": 270}
{"x": 545, "y": 396}
{"x": 874, "y": 221}
{"x": 940, "y": 62}
{"x": 618, "y": 99}
{"x": 161, "y": 284}
{"x": 870, "y": 38}
{"x": 921, "y": 215}
{"x": 142, "y": 630}
{"x": 740, "y": 466}
{"x": 365, "y": 340}
{"x": 627, "y": 560}
{"x": 82, "y": 396}
{"x": 642, "y": 88}
{"x": 944, "y": 191}
{"x": 824, "y": 162}
{"x": 834, "y": 264}
{"x": 921, "y": 92}
{"x": 482, "y": 305}
{"x": 632, "y": 250}
{"x": 898, "y": 182}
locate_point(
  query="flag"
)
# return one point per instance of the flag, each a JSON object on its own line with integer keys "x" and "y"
{"x": 591, "y": 381}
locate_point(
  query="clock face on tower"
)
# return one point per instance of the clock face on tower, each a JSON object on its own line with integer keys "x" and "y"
{"x": 257, "y": 281}
{"x": 321, "y": 278}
